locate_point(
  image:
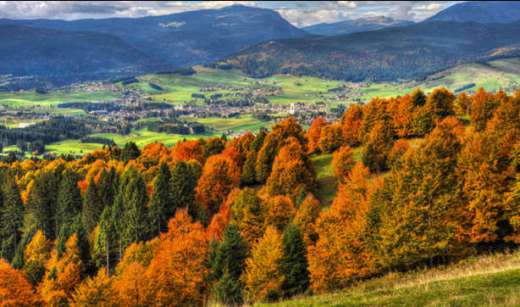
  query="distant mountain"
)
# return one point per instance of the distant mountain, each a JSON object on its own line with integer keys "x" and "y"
{"x": 355, "y": 25}
{"x": 481, "y": 12}
{"x": 188, "y": 38}
{"x": 393, "y": 53}
{"x": 66, "y": 56}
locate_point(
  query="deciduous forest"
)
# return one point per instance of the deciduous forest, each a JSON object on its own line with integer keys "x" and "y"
{"x": 422, "y": 180}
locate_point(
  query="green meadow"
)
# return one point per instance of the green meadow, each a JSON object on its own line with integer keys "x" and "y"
{"x": 489, "y": 280}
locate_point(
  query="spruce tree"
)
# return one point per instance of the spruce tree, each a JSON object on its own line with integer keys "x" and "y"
{"x": 130, "y": 152}
{"x": 228, "y": 266}
{"x": 41, "y": 205}
{"x": 107, "y": 186}
{"x": 92, "y": 206}
{"x": 182, "y": 187}
{"x": 11, "y": 217}
{"x": 294, "y": 264}
{"x": 105, "y": 241}
{"x": 160, "y": 210}
{"x": 248, "y": 175}
{"x": 134, "y": 219}
{"x": 69, "y": 200}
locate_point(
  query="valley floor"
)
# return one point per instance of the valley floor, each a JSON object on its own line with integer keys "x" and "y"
{"x": 481, "y": 281}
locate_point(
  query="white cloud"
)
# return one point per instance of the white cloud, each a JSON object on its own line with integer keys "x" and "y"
{"x": 299, "y": 13}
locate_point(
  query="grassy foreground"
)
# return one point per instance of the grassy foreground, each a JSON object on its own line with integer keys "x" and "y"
{"x": 481, "y": 281}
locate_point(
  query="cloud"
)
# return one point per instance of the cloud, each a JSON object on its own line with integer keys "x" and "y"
{"x": 299, "y": 13}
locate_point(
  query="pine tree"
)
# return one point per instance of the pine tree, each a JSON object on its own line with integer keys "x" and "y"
{"x": 134, "y": 219}
{"x": 248, "y": 176}
{"x": 41, "y": 204}
{"x": 107, "y": 187}
{"x": 228, "y": 266}
{"x": 294, "y": 264}
{"x": 69, "y": 200}
{"x": 130, "y": 152}
{"x": 182, "y": 188}
{"x": 92, "y": 206}
{"x": 161, "y": 201}
{"x": 105, "y": 241}
{"x": 11, "y": 217}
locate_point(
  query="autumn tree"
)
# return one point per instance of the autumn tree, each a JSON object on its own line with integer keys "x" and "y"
{"x": 62, "y": 275}
{"x": 293, "y": 265}
{"x": 483, "y": 104}
{"x": 219, "y": 176}
{"x": 331, "y": 138}
{"x": 263, "y": 277}
{"x": 378, "y": 145}
{"x": 35, "y": 256}
{"x": 293, "y": 173}
{"x": 343, "y": 162}
{"x": 340, "y": 254}
{"x": 271, "y": 145}
{"x": 306, "y": 216}
{"x": 351, "y": 125}
{"x": 280, "y": 212}
{"x": 462, "y": 104}
{"x": 439, "y": 103}
{"x": 419, "y": 212}
{"x": 178, "y": 272}
{"x": 95, "y": 290}
{"x": 15, "y": 290}
{"x": 313, "y": 134}
{"x": 248, "y": 213}
{"x": 228, "y": 266}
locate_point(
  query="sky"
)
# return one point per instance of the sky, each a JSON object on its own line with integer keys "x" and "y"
{"x": 298, "y": 13}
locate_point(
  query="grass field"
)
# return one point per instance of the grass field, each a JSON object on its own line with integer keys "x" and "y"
{"x": 327, "y": 185}
{"x": 144, "y": 137}
{"x": 492, "y": 280}
{"x": 33, "y": 99}
{"x": 236, "y": 125}
{"x": 493, "y": 75}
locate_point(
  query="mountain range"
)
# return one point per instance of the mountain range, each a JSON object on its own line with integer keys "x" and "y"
{"x": 392, "y": 53}
{"x": 170, "y": 41}
{"x": 355, "y": 25}
{"x": 259, "y": 42}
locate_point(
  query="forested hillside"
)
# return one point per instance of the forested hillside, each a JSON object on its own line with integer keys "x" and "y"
{"x": 423, "y": 180}
{"x": 390, "y": 54}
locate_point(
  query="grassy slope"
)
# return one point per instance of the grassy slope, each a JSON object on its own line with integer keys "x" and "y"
{"x": 482, "y": 281}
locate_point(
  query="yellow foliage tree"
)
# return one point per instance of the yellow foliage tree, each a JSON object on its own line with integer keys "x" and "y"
{"x": 62, "y": 274}
{"x": 263, "y": 278}
{"x": 93, "y": 291}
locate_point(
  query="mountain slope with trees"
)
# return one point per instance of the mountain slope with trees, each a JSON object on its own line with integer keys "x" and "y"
{"x": 437, "y": 182}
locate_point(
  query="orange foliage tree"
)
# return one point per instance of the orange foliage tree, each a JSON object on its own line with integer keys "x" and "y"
{"x": 15, "y": 290}
{"x": 293, "y": 173}
{"x": 219, "y": 176}
{"x": 340, "y": 254}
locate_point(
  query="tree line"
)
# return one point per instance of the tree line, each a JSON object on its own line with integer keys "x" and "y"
{"x": 422, "y": 180}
